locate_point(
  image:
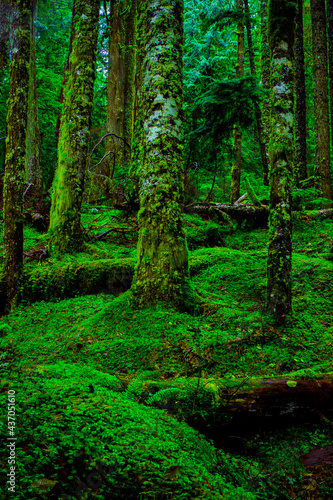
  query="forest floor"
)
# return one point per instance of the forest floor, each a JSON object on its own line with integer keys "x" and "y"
{"x": 98, "y": 381}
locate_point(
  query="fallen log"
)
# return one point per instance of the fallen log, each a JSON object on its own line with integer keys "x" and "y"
{"x": 245, "y": 212}
{"x": 258, "y": 216}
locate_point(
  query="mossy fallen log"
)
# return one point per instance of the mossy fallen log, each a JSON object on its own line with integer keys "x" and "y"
{"x": 245, "y": 212}
{"x": 47, "y": 282}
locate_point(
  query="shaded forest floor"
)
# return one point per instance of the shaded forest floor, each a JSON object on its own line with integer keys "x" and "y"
{"x": 100, "y": 383}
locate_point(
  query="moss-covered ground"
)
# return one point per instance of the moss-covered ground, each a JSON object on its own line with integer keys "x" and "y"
{"x": 106, "y": 394}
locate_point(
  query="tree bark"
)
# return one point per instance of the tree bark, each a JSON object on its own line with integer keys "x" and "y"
{"x": 258, "y": 124}
{"x": 66, "y": 66}
{"x": 5, "y": 9}
{"x": 162, "y": 272}
{"x": 329, "y": 4}
{"x": 33, "y": 160}
{"x": 15, "y": 151}
{"x": 321, "y": 110}
{"x": 237, "y": 145}
{"x": 281, "y": 36}
{"x": 65, "y": 218}
{"x": 300, "y": 171}
{"x": 265, "y": 81}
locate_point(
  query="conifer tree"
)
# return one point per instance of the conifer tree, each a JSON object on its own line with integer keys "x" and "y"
{"x": 33, "y": 160}
{"x": 162, "y": 272}
{"x": 237, "y": 145}
{"x": 281, "y": 38}
{"x": 15, "y": 149}
{"x": 300, "y": 173}
{"x": 265, "y": 81}
{"x": 258, "y": 124}
{"x": 65, "y": 218}
{"x": 321, "y": 109}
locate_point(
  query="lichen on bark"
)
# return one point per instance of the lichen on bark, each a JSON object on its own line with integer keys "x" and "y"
{"x": 65, "y": 220}
{"x": 281, "y": 33}
{"x": 15, "y": 151}
{"x": 162, "y": 272}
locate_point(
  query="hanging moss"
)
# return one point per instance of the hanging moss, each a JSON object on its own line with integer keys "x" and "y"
{"x": 65, "y": 227}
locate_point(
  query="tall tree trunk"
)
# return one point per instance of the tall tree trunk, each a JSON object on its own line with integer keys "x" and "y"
{"x": 322, "y": 128}
{"x": 5, "y": 9}
{"x": 65, "y": 218}
{"x": 66, "y": 67}
{"x": 129, "y": 79}
{"x": 259, "y": 125}
{"x": 162, "y": 272}
{"x": 33, "y": 161}
{"x": 237, "y": 146}
{"x": 15, "y": 147}
{"x": 115, "y": 101}
{"x": 329, "y": 4}
{"x": 281, "y": 36}
{"x": 300, "y": 173}
{"x": 265, "y": 81}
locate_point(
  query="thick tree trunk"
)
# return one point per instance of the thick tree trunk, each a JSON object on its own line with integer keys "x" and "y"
{"x": 5, "y": 9}
{"x": 329, "y": 4}
{"x": 15, "y": 147}
{"x": 237, "y": 145}
{"x": 33, "y": 160}
{"x": 281, "y": 35}
{"x": 115, "y": 101}
{"x": 300, "y": 173}
{"x": 265, "y": 81}
{"x": 65, "y": 221}
{"x": 129, "y": 79}
{"x": 66, "y": 66}
{"x": 321, "y": 110}
{"x": 258, "y": 124}
{"x": 162, "y": 272}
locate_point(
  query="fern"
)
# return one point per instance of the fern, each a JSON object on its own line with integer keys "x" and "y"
{"x": 164, "y": 394}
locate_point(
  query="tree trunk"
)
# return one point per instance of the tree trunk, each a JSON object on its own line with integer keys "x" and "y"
{"x": 66, "y": 66}
{"x": 300, "y": 173}
{"x": 15, "y": 147}
{"x": 65, "y": 218}
{"x": 162, "y": 272}
{"x": 259, "y": 125}
{"x": 33, "y": 161}
{"x": 237, "y": 146}
{"x": 4, "y": 33}
{"x": 115, "y": 101}
{"x": 329, "y": 4}
{"x": 281, "y": 35}
{"x": 321, "y": 111}
{"x": 265, "y": 81}
{"x": 129, "y": 79}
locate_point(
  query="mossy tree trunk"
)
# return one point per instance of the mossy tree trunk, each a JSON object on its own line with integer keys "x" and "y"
{"x": 321, "y": 110}
{"x": 65, "y": 218}
{"x": 281, "y": 36}
{"x": 4, "y": 33}
{"x": 15, "y": 150}
{"x": 237, "y": 145}
{"x": 258, "y": 123}
{"x": 33, "y": 160}
{"x": 300, "y": 172}
{"x": 162, "y": 272}
{"x": 265, "y": 81}
{"x": 121, "y": 77}
{"x": 329, "y": 4}
{"x": 66, "y": 66}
